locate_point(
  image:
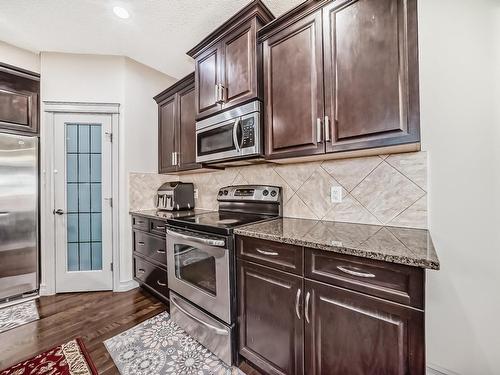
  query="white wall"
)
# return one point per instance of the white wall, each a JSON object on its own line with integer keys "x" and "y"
{"x": 113, "y": 79}
{"x": 19, "y": 57}
{"x": 459, "y": 53}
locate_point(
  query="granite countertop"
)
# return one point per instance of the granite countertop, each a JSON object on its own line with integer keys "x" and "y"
{"x": 164, "y": 215}
{"x": 407, "y": 246}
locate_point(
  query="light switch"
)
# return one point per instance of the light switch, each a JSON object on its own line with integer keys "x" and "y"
{"x": 336, "y": 194}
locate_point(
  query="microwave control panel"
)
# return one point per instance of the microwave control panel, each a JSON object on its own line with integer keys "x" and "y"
{"x": 248, "y": 126}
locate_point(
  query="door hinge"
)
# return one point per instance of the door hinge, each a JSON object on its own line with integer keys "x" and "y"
{"x": 110, "y": 135}
{"x": 110, "y": 200}
{"x": 111, "y": 266}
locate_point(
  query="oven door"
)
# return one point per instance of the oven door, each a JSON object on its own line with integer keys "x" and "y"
{"x": 198, "y": 270}
{"x": 219, "y": 141}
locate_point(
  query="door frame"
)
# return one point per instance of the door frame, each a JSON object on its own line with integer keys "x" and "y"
{"x": 47, "y": 220}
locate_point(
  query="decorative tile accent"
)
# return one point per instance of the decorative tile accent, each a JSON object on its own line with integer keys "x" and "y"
{"x": 17, "y": 315}
{"x": 386, "y": 193}
{"x": 350, "y": 172}
{"x": 384, "y": 190}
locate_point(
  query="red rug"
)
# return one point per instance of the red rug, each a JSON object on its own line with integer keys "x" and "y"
{"x": 66, "y": 359}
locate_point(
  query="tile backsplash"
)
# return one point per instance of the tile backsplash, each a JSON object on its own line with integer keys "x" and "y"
{"x": 385, "y": 189}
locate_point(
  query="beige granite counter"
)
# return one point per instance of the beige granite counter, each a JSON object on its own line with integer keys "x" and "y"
{"x": 407, "y": 246}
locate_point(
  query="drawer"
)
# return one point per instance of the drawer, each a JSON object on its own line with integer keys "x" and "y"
{"x": 140, "y": 223}
{"x": 151, "y": 246}
{"x": 151, "y": 275}
{"x": 390, "y": 281}
{"x": 273, "y": 254}
{"x": 157, "y": 227}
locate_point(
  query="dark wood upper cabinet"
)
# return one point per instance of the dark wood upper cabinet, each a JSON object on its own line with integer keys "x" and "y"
{"x": 293, "y": 89}
{"x": 177, "y": 127}
{"x": 227, "y": 62}
{"x": 364, "y": 54}
{"x": 371, "y": 74}
{"x": 270, "y": 323}
{"x": 207, "y": 78}
{"x": 19, "y": 100}
{"x": 350, "y": 333}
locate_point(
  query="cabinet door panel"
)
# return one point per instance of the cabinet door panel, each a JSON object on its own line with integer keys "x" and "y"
{"x": 271, "y": 333}
{"x": 187, "y": 129}
{"x": 293, "y": 89}
{"x": 166, "y": 136}
{"x": 207, "y": 76}
{"x": 367, "y": 72}
{"x": 239, "y": 65}
{"x": 354, "y": 334}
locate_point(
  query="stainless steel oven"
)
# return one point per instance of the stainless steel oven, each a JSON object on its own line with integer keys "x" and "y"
{"x": 233, "y": 134}
{"x": 199, "y": 269}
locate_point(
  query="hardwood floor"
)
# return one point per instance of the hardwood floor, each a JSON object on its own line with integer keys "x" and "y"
{"x": 93, "y": 316}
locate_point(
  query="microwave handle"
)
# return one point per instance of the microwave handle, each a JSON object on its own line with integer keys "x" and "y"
{"x": 236, "y": 141}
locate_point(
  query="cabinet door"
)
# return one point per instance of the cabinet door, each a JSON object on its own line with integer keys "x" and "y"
{"x": 350, "y": 333}
{"x": 293, "y": 89}
{"x": 18, "y": 102}
{"x": 207, "y": 77}
{"x": 239, "y": 65}
{"x": 166, "y": 135}
{"x": 371, "y": 74}
{"x": 187, "y": 129}
{"x": 270, "y": 318}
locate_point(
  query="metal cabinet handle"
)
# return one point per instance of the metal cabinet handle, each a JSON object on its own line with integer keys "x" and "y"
{"x": 141, "y": 270}
{"x": 140, "y": 243}
{"x": 327, "y": 129}
{"x": 159, "y": 227}
{"x": 318, "y": 130}
{"x": 308, "y": 296}
{"x": 4, "y": 213}
{"x": 217, "y": 93}
{"x": 297, "y": 299}
{"x": 219, "y": 331}
{"x": 159, "y": 251}
{"x": 160, "y": 283}
{"x": 355, "y": 273}
{"x": 139, "y": 222}
{"x": 223, "y": 94}
{"x": 264, "y": 252}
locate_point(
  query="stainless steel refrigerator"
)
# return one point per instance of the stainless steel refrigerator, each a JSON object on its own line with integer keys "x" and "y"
{"x": 18, "y": 216}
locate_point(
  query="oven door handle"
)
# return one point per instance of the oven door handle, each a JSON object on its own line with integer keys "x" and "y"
{"x": 219, "y": 331}
{"x": 235, "y": 134}
{"x": 204, "y": 241}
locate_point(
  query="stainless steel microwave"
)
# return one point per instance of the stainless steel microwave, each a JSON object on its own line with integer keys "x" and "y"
{"x": 230, "y": 135}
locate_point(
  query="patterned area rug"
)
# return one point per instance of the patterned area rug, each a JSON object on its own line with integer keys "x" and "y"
{"x": 66, "y": 359}
{"x": 159, "y": 346}
{"x": 17, "y": 315}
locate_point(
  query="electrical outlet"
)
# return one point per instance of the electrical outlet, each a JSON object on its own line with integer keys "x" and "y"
{"x": 336, "y": 194}
{"x": 195, "y": 193}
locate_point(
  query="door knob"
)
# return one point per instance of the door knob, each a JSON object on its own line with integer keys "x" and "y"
{"x": 58, "y": 212}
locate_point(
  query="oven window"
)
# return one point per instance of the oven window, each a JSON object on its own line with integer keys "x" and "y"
{"x": 216, "y": 140}
{"x": 196, "y": 267}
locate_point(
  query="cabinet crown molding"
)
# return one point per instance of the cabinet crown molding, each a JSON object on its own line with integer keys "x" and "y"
{"x": 177, "y": 86}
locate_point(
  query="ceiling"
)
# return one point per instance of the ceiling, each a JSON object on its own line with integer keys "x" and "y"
{"x": 158, "y": 32}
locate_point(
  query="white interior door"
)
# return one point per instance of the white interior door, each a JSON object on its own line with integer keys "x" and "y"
{"x": 82, "y": 204}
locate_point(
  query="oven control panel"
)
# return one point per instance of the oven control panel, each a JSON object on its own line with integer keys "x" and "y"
{"x": 257, "y": 193}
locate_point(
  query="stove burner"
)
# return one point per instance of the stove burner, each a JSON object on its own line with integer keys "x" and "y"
{"x": 228, "y": 221}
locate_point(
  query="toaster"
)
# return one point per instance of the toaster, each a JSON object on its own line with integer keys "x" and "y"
{"x": 175, "y": 196}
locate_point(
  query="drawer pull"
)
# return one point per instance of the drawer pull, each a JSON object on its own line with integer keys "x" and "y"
{"x": 140, "y": 243}
{"x": 355, "y": 273}
{"x": 297, "y": 298}
{"x": 264, "y": 252}
{"x": 139, "y": 222}
{"x": 161, "y": 227}
{"x": 160, "y": 283}
{"x": 161, "y": 251}
{"x": 141, "y": 271}
{"x": 308, "y": 296}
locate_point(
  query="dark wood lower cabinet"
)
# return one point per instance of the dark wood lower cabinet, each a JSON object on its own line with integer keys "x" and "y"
{"x": 270, "y": 323}
{"x": 351, "y": 333}
{"x": 291, "y": 324}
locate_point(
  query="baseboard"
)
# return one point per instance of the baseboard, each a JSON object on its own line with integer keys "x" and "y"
{"x": 125, "y": 286}
{"x": 45, "y": 291}
{"x": 433, "y": 369}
